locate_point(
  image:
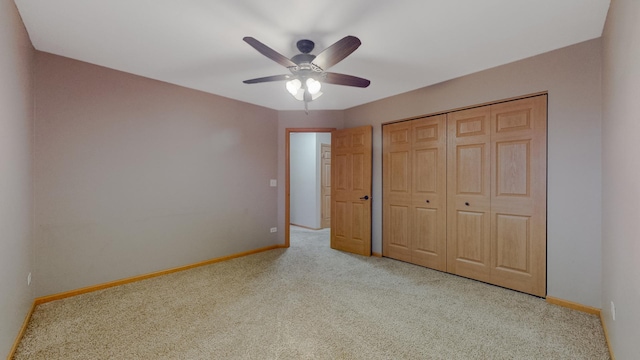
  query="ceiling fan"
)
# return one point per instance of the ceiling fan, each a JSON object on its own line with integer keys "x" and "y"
{"x": 308, "y": 71}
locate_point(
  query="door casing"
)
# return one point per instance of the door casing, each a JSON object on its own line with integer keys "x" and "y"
{"x": 287, "y": 176}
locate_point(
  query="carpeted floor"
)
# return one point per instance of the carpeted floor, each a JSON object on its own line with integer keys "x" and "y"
{"x": 309, "y": 302}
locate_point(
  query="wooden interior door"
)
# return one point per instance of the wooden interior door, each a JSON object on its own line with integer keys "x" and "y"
{"x": 469, "y": 193}
{"x": 351, "y": 190}
{"x": 414, "y": 191}
{"x": 518, "y": 195}
{"x": 428, "y": 194}
{"x": 325, "y": 185}
{"x": 396, "y": 182}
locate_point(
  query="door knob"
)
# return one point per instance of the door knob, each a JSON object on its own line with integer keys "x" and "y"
{"x": 366, "y": 197}
{"x": 467, "y": 203}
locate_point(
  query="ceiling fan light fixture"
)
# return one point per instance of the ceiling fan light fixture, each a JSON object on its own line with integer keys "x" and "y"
{"x": 294, "y": 86}
{"x": 300, "y": 95}
{"x": 313, "y": 86}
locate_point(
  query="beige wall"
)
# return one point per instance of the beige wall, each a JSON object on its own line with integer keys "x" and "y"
{"x": 16, "y": 144}
{"x": 572, "y": 78}
{"x": 621, "y": 177}
{"x": 298, "y": 119}
{"x": 133, "y": 175}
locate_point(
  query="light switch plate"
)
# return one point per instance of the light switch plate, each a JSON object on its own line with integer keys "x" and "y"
{"x": 273, "y": 182}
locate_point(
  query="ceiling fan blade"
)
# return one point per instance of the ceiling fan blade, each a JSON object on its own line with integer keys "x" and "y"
{"x": 336, "y": 52}
{"x": 347, "y": 80}
{"x": 268, "y": 79}
{"x": 269, "y": 52}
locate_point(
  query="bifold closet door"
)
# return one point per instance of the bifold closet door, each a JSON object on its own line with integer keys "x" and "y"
{"x": 497, "y": 194}
{"x": 429, "y": 192}
{"x": 414, "y": 181}
{"x": 396, "y": 192}
{"x": 469, "y": 193}
{"x": 519, "y": 194}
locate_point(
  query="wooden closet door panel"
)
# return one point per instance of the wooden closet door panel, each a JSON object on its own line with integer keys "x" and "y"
{"x": 428, "y": 195}
{"x": 469, "y": 193}
{"x": 518, "y": 194}
{"x": 396, "y": 182}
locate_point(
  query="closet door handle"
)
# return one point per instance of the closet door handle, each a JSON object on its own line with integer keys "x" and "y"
{"x": 467, "y": 203}
{"x": 428, "y": 201}
{"x": 366, "y": 197}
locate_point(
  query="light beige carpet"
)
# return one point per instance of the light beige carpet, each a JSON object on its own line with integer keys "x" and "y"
{"x": 309, "y": 302}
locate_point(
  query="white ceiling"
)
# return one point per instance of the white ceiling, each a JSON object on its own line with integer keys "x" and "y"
{"x": 406, "y": 44}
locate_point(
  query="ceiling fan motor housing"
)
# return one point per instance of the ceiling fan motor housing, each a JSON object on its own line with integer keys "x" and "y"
{"x": 301, "y": 59}
{"x": 305, "y": 46}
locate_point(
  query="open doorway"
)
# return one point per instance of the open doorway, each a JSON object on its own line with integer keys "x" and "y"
{"x": 310, "y": 201}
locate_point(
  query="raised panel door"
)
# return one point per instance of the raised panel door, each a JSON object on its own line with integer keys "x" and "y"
{"x": 469, "y": 193}
{"x": 518, "y": 194}
{"x": 351, "y": 190}
{"x": 428, "y": 192}
{"x": 396, "y": 183}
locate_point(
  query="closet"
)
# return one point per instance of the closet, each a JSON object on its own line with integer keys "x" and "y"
{"x": 465, "y": 192}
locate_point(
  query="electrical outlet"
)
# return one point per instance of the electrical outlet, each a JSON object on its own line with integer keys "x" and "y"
{"x": 274, "y": 230}
{"x": 29, "y": 279}
{"x": 613, "y": 311}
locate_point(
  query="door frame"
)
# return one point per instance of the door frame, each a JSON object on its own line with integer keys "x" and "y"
{"x": 287, "y": 175}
